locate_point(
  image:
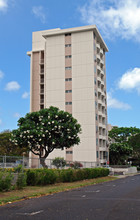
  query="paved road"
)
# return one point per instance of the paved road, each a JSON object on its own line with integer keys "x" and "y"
{"x": 116, "y": 200}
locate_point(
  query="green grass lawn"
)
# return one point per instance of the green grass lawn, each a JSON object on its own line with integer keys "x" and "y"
{"x": 36, "y": 191}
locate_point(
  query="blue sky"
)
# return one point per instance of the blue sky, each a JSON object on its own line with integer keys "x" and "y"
{"x": 118, "y": 22}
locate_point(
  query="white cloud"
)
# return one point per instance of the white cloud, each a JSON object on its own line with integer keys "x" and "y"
{"x": 0, "y": 121}
{"x": 1, "y": 74}
{"x": 25, "y": 95}
{"x": 39, "y": 13}
{"x": 12, "y": 86}
{"x": 17, "y": 115}
{"x": 130, "y": 80}
{"x": 114, "y": 103}
{"x": 114, "y": 17}
{"x": 3, "y": 5}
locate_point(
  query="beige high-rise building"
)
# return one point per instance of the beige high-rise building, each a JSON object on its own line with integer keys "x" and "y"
{"x": 68, "y": 71}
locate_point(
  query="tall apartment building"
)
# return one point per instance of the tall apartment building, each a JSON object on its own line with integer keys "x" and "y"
{"x": 68, "y": 71}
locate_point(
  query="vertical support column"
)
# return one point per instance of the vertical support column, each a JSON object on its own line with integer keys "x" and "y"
{"x": 68, "y": 85}
{"x": 42, "y": 79}
{"x": 35, "y": 82}
{"x": 96, "y": 95}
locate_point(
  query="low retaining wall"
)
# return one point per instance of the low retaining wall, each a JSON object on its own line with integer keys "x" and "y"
{"x": 122, "y": 171}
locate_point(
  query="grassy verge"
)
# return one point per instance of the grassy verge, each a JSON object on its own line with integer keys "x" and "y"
{"x": 36, "y": 191}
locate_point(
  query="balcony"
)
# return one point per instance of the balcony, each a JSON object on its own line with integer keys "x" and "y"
{"x": 98, "y": 45}
{"x": 42, "y": 71}
{"x": 101, "y": 51}
{"x": 41, "y": 91}
{"x": 98, "y": 57}
{"x": 101, "y": 62}
{"x": 41, "y": 61}
{"x": 99, "y": 68}
{"x": 41, "y": 101}
{"x": 41, "y": 81}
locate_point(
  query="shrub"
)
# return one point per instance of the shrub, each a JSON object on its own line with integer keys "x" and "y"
{"x": 5, "y": 181}
{"x": 67, "y": 175}
{"x": 76, "y": 165}
{"x": 50, "y": 176}
{"x": 41, "y": 177}
{"x": 21, "y": 180}
{"x": 18, "y": 169}
{"x": 31, "y": 177}
{"x": 59, "y": 162}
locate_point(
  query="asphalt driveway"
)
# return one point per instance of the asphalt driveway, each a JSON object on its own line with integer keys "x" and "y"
{"x": 115, "y": 200}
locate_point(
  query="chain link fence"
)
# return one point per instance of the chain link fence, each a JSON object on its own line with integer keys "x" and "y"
{"x": 32, "y": 162}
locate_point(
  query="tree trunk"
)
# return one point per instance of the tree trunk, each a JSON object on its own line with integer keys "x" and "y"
{"x": 42, "y": 162}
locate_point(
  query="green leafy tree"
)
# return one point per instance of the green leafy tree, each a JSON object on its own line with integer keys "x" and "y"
{"x": 121, "y": 134}
{"x": 59, "y": 162}
{"x": 119, "y": 153}
{"x": 120, "y": 148}
{"x": 134, "y": 142}
{"x": 46, "y": 130}
{"x": 7, "y": 147}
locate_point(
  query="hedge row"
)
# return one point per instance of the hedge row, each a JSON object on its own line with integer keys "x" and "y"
{"x": 8, "y": 181}
{"x": 50, "y": 176}
{"x": 34, "y": 177}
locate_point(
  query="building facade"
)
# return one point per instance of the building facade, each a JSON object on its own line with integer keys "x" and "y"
{"x": 68, "y": 71}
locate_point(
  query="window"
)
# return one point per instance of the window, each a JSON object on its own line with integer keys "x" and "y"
{"x": 69, "y": 152}
{"x": 97, "y": 154}
{"x": 96, "y": 141}
{"x": 68, "y": 103}
{"x": 67, "y": 45}
{"x": 95, "y": 104}
{"x": 68, "y": 34}
{"x": 96, "y": 128}
{"x": 96, "y": 117}
{"x": 95, "y": 69}
{"x": 95, "y": 81}
{"x": 68, "y": 91}
{"x": 95, "y": 93}
{"x": 68, "y": 56}
{"x": 68, "y": 68}
{"x": 68, "y": 79}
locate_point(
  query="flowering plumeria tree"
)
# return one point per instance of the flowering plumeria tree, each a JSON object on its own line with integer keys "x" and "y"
{"x": 46, "y": 130}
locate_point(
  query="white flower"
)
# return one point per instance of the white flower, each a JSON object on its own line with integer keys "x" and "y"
{"x": 46, "y": 131}
{"x": 42, "y": 123}
{"x": 21, "y": 135}
{"x": 56, "y": 116}
{"x": 49, "y": 123}
{"x": 52, "y": 122}
{"x": 39, "y": 139}
{"x": 53, "y": 142}
{"x": 43, "y": 135}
